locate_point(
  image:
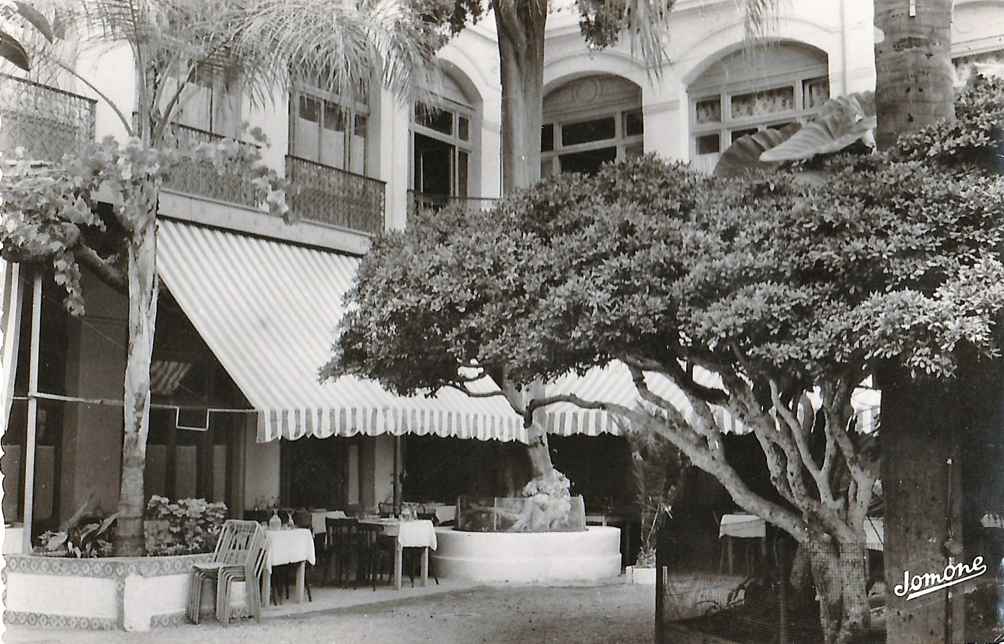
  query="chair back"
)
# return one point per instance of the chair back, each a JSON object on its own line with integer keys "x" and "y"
{"x": 368, "y": 535}
{"x": 302, "y": 519}
{"x": 237, "y": 540}
{"x": 430, "y": 516}
{"x": 340, "y": 532}
{"x": 385, "y": 510}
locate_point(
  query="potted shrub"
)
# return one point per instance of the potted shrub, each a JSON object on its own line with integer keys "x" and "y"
{"x": 658, "y": 469}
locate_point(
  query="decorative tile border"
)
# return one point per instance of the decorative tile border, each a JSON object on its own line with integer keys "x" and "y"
{"x": 74, "y": 622}
{"x": 108, "y": 568}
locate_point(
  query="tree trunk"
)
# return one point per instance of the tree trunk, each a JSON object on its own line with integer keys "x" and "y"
{"x": 914, "y": 89}
{"x": 838, "y": 571}
{"x": 521, "y": 55}
{"x": 919, "y": 433}
{"x": 913, "y": 66}
{"x": 142, "y": 258}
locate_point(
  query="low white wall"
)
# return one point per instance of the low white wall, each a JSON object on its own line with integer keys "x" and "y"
{"x": 528, "y": 557}
{"x": 127, "y": 593}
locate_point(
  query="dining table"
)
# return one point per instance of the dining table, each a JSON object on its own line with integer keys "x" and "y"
{"x": 418, "y": 533}
{"x": 288, "y": 546}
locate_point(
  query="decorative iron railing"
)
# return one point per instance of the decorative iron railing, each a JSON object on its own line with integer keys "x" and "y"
{"x": 428, "y": 201}
{"x": 327, "y": 195}
{"x": 46, "y": 122}
{"x": 202, "y": 179}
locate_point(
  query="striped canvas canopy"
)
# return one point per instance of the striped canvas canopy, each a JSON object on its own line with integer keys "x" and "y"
{"x": 268, "y": 310}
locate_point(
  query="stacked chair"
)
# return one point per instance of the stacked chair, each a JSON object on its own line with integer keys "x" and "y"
{"x": 240, "y": 555}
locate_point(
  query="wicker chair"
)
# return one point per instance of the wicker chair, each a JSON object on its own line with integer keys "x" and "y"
{"x": 340, "y": 548}
{"x": 239, "y": 543}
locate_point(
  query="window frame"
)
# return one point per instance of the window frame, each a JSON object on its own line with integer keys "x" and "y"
{"x": 621, "y": 141}
{"x": 728, "y": 124}
{"x": 457, "y": 111}
{"x": 350, "y": 109}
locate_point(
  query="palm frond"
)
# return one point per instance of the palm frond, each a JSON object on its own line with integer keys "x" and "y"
{"x": 336, "y": 43}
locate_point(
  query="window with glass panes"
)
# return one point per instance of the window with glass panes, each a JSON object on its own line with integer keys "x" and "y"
{"x": 329, "y": 129}
{"x": 743, "y": 96}
{"x": 442, "y": 148}
{"x": 584, "y": 145}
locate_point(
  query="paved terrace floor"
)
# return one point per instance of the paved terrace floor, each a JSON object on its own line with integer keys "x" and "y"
{"x": 610, "y": 611}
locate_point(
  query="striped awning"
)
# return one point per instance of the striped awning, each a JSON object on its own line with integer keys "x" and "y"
{"x": 269, "y": 310}
{"x": 612, "y": 383}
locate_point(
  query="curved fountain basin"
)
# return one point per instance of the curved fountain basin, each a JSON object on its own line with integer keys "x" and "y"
{"x": 528, "y": 557}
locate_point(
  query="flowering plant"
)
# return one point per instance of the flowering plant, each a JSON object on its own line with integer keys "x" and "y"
{"x": 192, "y": 525}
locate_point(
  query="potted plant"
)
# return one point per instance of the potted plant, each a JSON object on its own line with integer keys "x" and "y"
{"x": 658, "y": 469}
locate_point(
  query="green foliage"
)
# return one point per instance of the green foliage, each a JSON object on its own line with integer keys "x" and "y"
{"x": 51, "y": 214}
{"x": 646, "y": 259}
{"x": 193, "y": 526}
{"x": 968, "y": 142}
{"x": 80, "y": 540}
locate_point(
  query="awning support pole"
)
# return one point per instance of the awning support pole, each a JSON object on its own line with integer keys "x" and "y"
{"x": 29, "y": 443}
{"x": 397, "y": 476}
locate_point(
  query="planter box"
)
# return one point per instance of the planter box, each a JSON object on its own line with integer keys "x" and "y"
{"x": 641, "y": 576}
{"x": 114, "y": 593}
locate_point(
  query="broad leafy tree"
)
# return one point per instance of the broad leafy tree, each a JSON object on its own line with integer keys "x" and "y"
{"x": 775, "y": 285}
{"x": 52, "y": 214}
{"x": 520, "y": 29}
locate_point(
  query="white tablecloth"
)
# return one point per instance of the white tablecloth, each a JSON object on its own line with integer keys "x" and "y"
{"x": 290, "y": 546}
{"x": 743, "y": 526}
{"x": 410, "y": 534}
{"x": 13, "y": 539}
{"x": 317, "y": 519}
{"x": 874, "y": 533}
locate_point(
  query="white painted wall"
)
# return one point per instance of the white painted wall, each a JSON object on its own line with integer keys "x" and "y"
{"x": 261, "y": 472}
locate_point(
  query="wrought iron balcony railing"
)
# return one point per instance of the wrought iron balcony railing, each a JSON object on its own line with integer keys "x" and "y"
{"x": 327, "y": 195}
{"x": 46, "y": 122}
{"x": 200, "y": 178}
{"x": 428, "y": 201}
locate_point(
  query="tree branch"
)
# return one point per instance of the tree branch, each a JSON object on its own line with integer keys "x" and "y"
{"x": 105, "y": 269}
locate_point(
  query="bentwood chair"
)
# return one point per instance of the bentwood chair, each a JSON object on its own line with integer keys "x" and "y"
{"x": 238, "y": 542}
{"x": 372, "y": 552}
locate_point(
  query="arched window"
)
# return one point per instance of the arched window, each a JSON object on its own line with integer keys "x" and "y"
{"x": 590, "y": 121}
{"x": 444, "y": 143}
{"x": 748, "y": 91}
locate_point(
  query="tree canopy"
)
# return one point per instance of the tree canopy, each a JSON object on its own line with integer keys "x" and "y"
{"x": 780, "y": 286}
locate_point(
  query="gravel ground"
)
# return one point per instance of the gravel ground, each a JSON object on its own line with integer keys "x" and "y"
{"x": 614, "y": 612}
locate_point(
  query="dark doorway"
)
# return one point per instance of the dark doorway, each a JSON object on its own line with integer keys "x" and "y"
{"x": 433, "y": 166}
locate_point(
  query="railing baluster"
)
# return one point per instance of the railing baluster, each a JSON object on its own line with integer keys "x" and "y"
{"x": 323, "y": 194}
{"x": 47, "y": 122}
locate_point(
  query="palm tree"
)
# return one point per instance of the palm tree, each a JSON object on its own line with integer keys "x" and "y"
{"x": 920, "y": 422}
{"x": 264, "y": 43}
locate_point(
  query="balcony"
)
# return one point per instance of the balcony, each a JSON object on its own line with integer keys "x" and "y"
{"x": 327, "y": 195}
{"x": 428, "y": 201}
{"x": 201, "y": 179}
{"x": 45, "y": 121}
